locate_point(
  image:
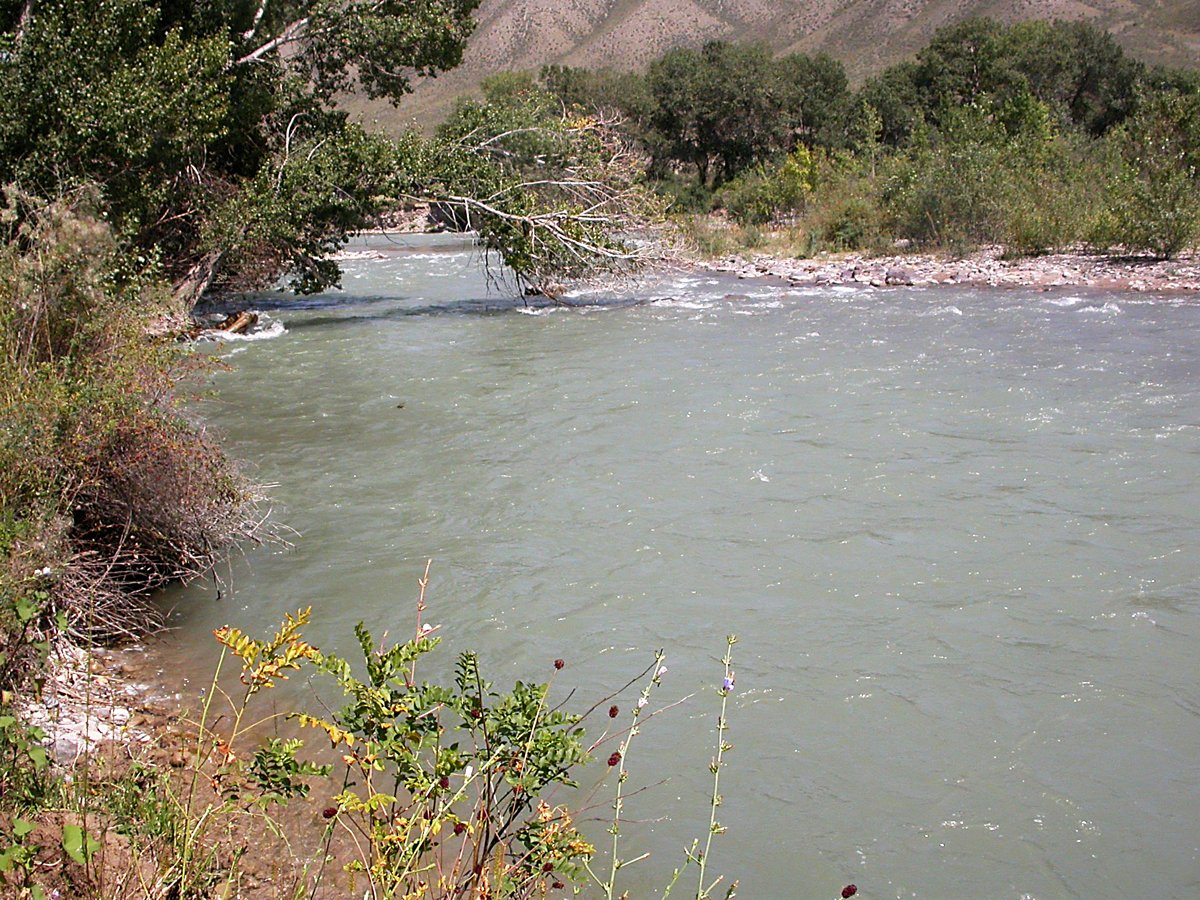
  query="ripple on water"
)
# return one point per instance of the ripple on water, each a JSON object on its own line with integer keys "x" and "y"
{"x": 961, "y": 567}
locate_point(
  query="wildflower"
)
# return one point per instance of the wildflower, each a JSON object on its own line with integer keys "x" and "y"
{"x": 849, "y": 891}
{"x": 558, "y": 885}
{"x": 642, "y": 701}
{"x": 329, "y": 812}
{"x": 612, "y": 711}
{"x": 559, "y": 663}
{"x": 727, "y": 684}
{"x": 662, "y": 670}
{"x": 444, "y": 783}
{"x": 548, "y": 867}
{"x": 426, "y": 628}
{"x": 615, "y": 758}
{"x": 468, "y": 772}
{"x": 460, "y": 827}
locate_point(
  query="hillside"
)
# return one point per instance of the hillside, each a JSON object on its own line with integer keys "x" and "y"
{"x": 866, "y": 35}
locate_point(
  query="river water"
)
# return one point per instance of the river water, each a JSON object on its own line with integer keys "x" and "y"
{"x": 955, "y": 532}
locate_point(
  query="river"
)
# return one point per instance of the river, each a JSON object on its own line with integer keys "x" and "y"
{"x": 954, "y": 530}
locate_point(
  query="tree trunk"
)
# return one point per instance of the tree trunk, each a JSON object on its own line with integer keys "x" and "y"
{"x": 188, "y": 290}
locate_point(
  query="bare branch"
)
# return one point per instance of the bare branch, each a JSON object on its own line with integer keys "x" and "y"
{"x": 291, "y": 33}
{"x": 258, "y": 14}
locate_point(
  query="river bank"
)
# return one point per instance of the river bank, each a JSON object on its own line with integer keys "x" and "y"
{"x": 984, "y": 268}
{"x": 987, "y": 267}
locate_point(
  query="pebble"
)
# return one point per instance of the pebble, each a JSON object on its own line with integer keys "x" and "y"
{"x": 987, "y": 267}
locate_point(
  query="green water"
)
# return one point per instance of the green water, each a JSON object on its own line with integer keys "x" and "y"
{"x": 954, "y": 530}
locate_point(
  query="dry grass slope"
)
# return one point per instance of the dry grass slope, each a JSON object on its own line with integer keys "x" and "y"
{"x": 866, "y": 35}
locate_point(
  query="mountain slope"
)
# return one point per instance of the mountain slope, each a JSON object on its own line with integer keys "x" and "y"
{"x": 866, "y": 35}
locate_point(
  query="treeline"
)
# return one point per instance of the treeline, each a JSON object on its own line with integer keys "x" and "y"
{"x": 1038, "y": 136}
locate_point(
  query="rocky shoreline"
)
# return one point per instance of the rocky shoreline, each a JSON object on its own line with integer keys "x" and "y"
{"x": 94, "y": 697}
{"x": 986, "y": 268}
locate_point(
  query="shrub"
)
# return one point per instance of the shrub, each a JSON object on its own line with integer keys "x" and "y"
{"x": 1155, "y": 202}
{"x": 764, "y": 195}
{"x": 105, "y": 490}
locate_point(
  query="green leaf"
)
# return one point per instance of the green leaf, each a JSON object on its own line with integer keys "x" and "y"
{"x": 37, "y": 755}
{"x": 22, "y": 827}
{"x": 78, "y": 844}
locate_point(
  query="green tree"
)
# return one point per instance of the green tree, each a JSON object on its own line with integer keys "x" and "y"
{"x": 190, "y": 116}
{"x": 963, "y": 63}
{"x": 1078, "y": 68}
{"x": 720, "y": 109}
{"x": 814, "y": 96}
{"x": 895, "y": 100}
{"x": 1155, "y": 204}
{"x": 211, "y": 130}
{"x": 546, "y": 187}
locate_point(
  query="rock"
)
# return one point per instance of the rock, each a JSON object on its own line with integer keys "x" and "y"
{"x": 898, "y": 275}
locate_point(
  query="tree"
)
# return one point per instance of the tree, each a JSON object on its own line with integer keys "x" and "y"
{"x": 1077, "y": 68}
{"x": 963, "y": 63}
{"x": 677, "y": 83}
{"x": 211, "y": 130}
{"x": 721, "y": 109}
{"x": 895, "y": 100}
{"x": 545, "y": 186}
{"x": 814, "y": 96}
{"x": 1156, "y": 201}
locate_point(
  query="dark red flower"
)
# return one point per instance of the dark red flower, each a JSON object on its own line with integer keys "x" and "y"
{"x": 460, "y": 827}
{"x": 548, "y": 867}
{"x": 615, "y": 758}
{"x": 612, "y": 711}
{"x": 444, "y": 783}
{"x": 558, "y": 885}
{"x": 329, "y": 812}
{"x": 849, "y": 891}
{"x": 559, "y": 663}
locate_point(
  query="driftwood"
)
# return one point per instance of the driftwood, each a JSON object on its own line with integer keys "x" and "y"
{"x": 238, "y": 323}
{"x": 234, "y": 323}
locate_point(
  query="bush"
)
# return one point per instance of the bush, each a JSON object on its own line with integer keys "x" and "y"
{"x": 1155, "y": 201}
{"x": 764, "y": 195}
{"x": 105, "y": 490}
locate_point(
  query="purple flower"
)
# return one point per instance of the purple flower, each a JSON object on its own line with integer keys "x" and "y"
{"x": 727, "y": 684}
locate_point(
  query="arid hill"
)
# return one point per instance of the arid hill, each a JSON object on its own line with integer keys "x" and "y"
{"x": 866, "y": 35}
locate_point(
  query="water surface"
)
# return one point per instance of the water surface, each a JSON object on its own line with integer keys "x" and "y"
{"x": 953, "y": 529}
